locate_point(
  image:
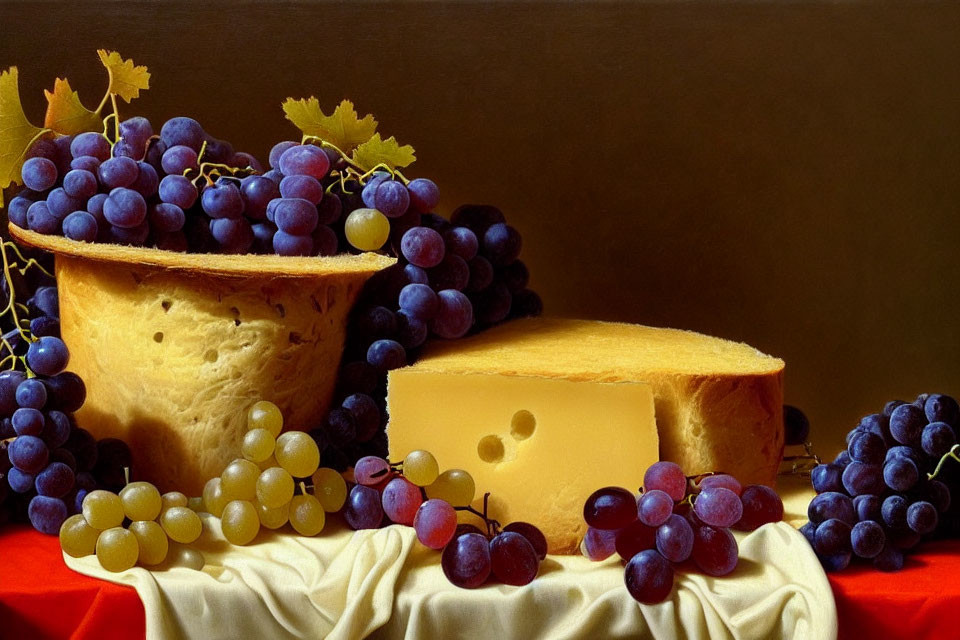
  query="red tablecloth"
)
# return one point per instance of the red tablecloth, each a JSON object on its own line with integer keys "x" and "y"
{"x": 41, "y": 598}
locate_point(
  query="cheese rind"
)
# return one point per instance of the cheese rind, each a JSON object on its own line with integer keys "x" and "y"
{"x": 540, "y": 446}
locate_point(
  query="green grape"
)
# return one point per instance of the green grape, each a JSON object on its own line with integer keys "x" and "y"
{"x": 306, "y": 515}
{"x": 152, "y": 541}
{"x": 172, "y": 499}
{"x": 298, "y": 454}
{"x": 181, "y": 524}
{"x": 330, "y": 489}
{"x": 77, "y": 538}
{"x": 269, "y": 462}
{"x": 258, "y": 445}
{"x": 420, "y": 468}
{"x": 103, "y": 510}
{"x": 456, "y": 486}
{"x": 182, "y": 556}
{"x": 265, "y": 415}
{"x": 239, "y": 480}
{"x": 240, "y": 522}
{"x": 273, "y": 518}
{"x": 367, "y": 229}
{"x": 117, "y": 549}
{"x": 213, "y": 500}
{"x": 274, "y": 487}
{"x": 141, "y": 501}
{"x": 195, "y": 504}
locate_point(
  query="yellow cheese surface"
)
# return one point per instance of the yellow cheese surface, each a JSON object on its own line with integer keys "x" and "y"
{"x": 540, "y": 446}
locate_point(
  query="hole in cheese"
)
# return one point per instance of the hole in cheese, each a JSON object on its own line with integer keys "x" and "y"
{"x": 490, "y": 449}
{"x": 158, "y": 337}
{"x": 522, "y": 425}
{"x": 211, "y": 355}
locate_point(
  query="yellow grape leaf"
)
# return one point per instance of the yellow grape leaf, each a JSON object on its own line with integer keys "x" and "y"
{"x": 65, "y": 113}
{"x": 343, "y": 128}
{"x": 126, "y": 80}
{"x": 16, "y": 132}
{"x": 376, "y": 151}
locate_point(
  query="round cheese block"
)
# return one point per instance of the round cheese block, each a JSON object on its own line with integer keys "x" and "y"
{"x": 175, "y": 347}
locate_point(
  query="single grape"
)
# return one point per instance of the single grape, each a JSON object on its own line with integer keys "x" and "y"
{"x": 117, "y": 172}
{"x": 386, "y": 355}
{"x": 265, "y": 415}
{"x": 832, "y": 537}
{"x": 939, "y": 495}
{"x": 366, "y": 414}
{"x": 179, "y": 159}
{"x": 937, "y": 439}
{"x": 894, "y": 511}
{"x": 41, "y": 219}
{"x": 125, "y": 208}
{"x": 213, "y": 498}
{"x": 55, "y": 481}
{"x": 147, "y": 180}
{"x": 277, "y": 151}
{"x": 274, "y": 487}
{"x": 222, "y": 199}
{"x": 868, "y": 448}
{"x": 258, "y": 445}
{"x": 796, "y": 426}
{"x": 906, "y": 424}
{"x": 718, "y": 507}
{"x": 47, "y": 514}
{"x": 423, "y": 247}
{"x": 391, "y": 198}
{"x": 77, "y": 538}
{"x": 339, "y": 427}
{"x": 367, "y": 229}
{"x": 401, "y": 499}
{"x": 17, "y": 211}
{"x": 136, "y": 132}
{"x": 330, "y": 489}
{"x": 39, "y": 174}
{"x": 599, "y": 544}
{"x": 141, "y": 501}
{"x": 80, "y": 226}
{"x": 668, "y": 477}
{"x": 419, "y": 300}
{"x": 714, "y": 550}
{"x": 454, "y": 315}
{"x": 859, "y": 478}
{"x": 466, "y": 560}
{"x": 889, "y": 559}
{"x": 634, "y": 538}
{"x": 649, "y": 577}
{"x": 20, "y": 481}
{"x": 363, "y": 509}
{"x": 240, "y": 523}
{"x": 27, "y": 422}
{"x": 182, "y": 556}
{"x": 103, "y": 509}
{"x": 867, "y": 539}
{"x": 174, "y": 499}
{"x": 181, "y": 524}
{"x": 244, "y": 160}
{"x": 306, "y": 515}
{"x": 273, "y": 518}
{"x": 900, "y": 474}
{"x": 257, "y": 192}
{"x": 610, "y": 508}
{"x": 455, "y": 486}
{"x": 515, "y": 276}
{"x": 28, "y": 453}
{"x": 304, "y": 160}
{"x": 80, "y": 183}
{"x": 513, "y": 559}
{"x": 836, "y": 562}
{"x": 117, "y": 549}
{"x": 295, "y": 216}
{"x": 285, "y": 244}
{"x": 501, "y": 244}
{"x": 421, "y": 468}
{"x": 90, "y": 144}
{"x": 239, "y": 480}
{"x": 867, "y": 507}
{"x": 654, "y": 507}
{"x": 722, "y": 480}
{"x": 435, "y": 523}
{"x": 761, "y": 505}
{"x": 165, "y": 217}
{"x": 675, "y": 538}
{"x": 302, "y": 187}
{"x": 370, "y": 470}
{"x": 452, "y": 273}
{"x": 942, "y": 408}
{"x": 832, "y": 504}
{"x": 48, "y": 356}
{"x": 922, "y": 517}
{"x": 178, "y": 190}
{"x": 369, "y": 192}
{"x": 31, "y": 394}
{"x": 827, "y": 477}
{"x": 297, "y": 453}
{"x": 152, "y": 542}
{"x": 905, "y": 452}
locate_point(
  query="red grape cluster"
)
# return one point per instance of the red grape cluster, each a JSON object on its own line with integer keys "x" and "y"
{"x": 672, "y": 521}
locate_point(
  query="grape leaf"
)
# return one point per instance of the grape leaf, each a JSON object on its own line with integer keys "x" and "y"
{"x": 375, "y": 152}
{"x": 16, "y": 132}
{"x": 344, "y": 127}
{"x": 65, "y": 113}
{"x": 126, "y": 80}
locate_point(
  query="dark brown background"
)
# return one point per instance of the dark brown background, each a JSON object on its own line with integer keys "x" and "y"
{"x": 787, "y": 174}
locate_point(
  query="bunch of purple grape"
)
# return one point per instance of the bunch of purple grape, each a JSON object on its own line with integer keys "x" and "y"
{"x": 672, "y": 521}
{"x": 876, "y": 500}
{"x": 47, "y": 463}
{"x": 415, "y": 494}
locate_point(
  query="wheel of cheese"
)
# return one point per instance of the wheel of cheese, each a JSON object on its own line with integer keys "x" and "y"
{"x": 175, "y": 347}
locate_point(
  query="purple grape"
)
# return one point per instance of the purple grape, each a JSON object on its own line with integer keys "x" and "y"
{"x": 166, "y": 217}
{"x": 147, "y": 181}
{"x": 718, "y": 507}
{"x": 136, "y": 132}
{"x": 649, "y": 577}
{"x": 27, "y": 422}
{"x": 391, "y": 198}
{"x": 867, "y": 507}
{"x": 634, "y": 538}
{"x": 182, "y": 131}
{"x": 842, "y": 459}
{"x": 80, "y": 184}
{"x": 178, "y": 190}
{"x": 41, "y": 220}
{"x": 172, "y": 241}
{"x": 900, "y": 474}
{"x": 832, "y": 537}
{"x": 600, "y": 544}
{"x": 95, "y": 207}
{"x": 889, "y": 559}
{"x": 610, "y": 508}
{"x": 47, "y": 356}
{"x": 533, "y": 535}
{"x": 277, "y": 151}
{"x": 39, "y": 174}
{"x": 761, "y": 505}
{"x": 675, "y": 538}
{"x": 894, "y": 511}
{"x": 827, "y": 477}
{"x": 29, "y": 454}
{"x": 493, "y": 304}
{"x": 481, "y": 274}
{"x": 304, "y": 160}
{"x": 668, "y": 477}
{"x": 125, "y": 208}
{"x": 45, "y": 325}
{"x": 386, "y": 355}
{"x": 454, "y": 315}
{"x": 513, "y": 559}
{"x": 218, "y": 151}
{"x": 31, "y": 393}
{"x": 415, "y": 274}
{"x": 515, "y": 275}
{"x": 295, "y": 216}
{"x": 20, "y": 481}
{"x": 47, "y": 514}
{"x": 654, "y": 507}
{"x": 908, "y": 453}
{"x": 376, "y": 322}
{"x": 369, "y": 192}
{"x": 55, "y": 481}
{"x": 423, "y": 247}
{"x": 17, "y": 211}
{"x": 939, "y": 495}
{"x": 366, "y": 415}
{"x": 451, "y": 273}
{"x": 859, "y": 478}
{"x": 244, "y": 160}
{"x": 325, "y": 241}
{"x": 84, "y": 448}
{"x": 118, "y": 172}
{"x": 906, "y": 424}
{"x": 796, "y": 426}
{"x": 477, "y": 217}
{"x": 937, "y": 438}
{"x": 941, "y": 408}
{"x": 370, "y": 470}
{"x": 90, "y": 144}
{"x": 877, "y": 424}
{"x": 922, "y": 517}
{"x": 285, "y": 244}
{"x": 419, "y": 300}
{"x": 436, "y": 524}
{"x": 423, "y": 194}
{"x": 86, "y": 163}
{"x": 714, "y": 550}
{"x": 722, "y": 480}
{"x": 401, "y": 500}
{"x": 302, "y": 187}
{"x": 836, "y": 562}
{"x": 263, "y": 237}
{"x": 233, "y": 234}
{"x": 466, "y": 560}
{"x": 56, "y": 429}
{"x": 867, "y": 539}
{"x": 501, "y": 244}
{"x": 81, "y": 226}
{"x": 222, "y": 200}
{"x": 867, "y": 448}
{"x": 411, "y": 331}
{"x": 329, "y": 210}
{"x": 832, "y": 504}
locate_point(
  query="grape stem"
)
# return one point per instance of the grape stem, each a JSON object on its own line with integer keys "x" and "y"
{"x": 949, "y": 455}
{"x": 803, "y": 464}
{"x": 493, "y": 526}
{"x": 11, "y": 307}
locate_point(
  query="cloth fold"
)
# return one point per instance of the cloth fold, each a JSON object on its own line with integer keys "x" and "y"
{"x": 384, "y": 584}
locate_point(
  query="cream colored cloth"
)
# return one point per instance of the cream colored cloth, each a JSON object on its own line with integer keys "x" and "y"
{"x": 384, "y": 584}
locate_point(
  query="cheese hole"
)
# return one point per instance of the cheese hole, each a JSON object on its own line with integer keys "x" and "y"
{"x": 211, "y": 355}
{"x": 158, "y": 337}
{"x": 522, "y": 425}
{"x": 490, "y": 449}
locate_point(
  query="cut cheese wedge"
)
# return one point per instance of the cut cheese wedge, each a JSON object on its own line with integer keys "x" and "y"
{"x": 718, "y": 408}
